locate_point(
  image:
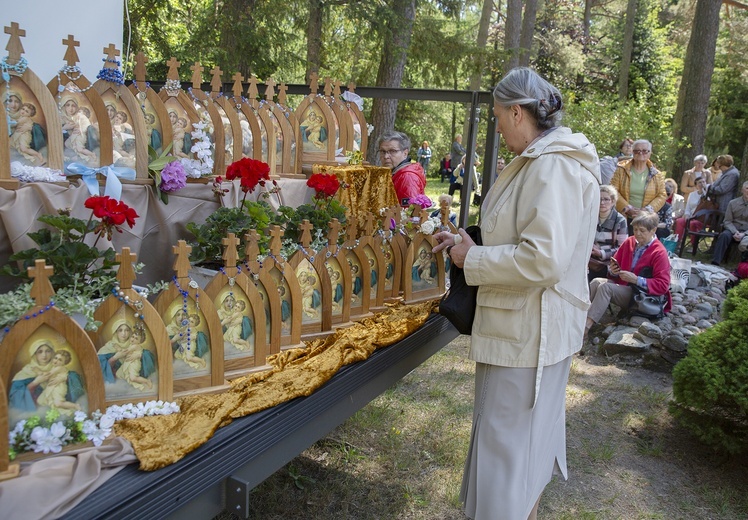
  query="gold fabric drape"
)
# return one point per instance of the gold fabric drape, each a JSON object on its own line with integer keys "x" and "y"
{"x": 369, "y": 187}
{"x": 162, "y": 440}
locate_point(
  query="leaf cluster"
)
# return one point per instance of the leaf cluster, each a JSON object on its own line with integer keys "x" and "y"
{"x": 319, "y": 214}
{"x": 61, "y": 245}
{"x": 710, "y": 385}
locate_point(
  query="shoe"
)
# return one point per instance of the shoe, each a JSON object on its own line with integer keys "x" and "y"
{"x": 714, "y": 263}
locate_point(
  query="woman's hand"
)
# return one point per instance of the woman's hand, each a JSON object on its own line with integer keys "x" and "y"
{"x": 629, "y": 277}
{"x": 457, "y": 246}
{"x": 596, "y": 252}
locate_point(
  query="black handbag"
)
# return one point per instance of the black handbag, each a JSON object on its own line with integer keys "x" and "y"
{"x": 646, "y": 305}
{"x": 458, "y": 303}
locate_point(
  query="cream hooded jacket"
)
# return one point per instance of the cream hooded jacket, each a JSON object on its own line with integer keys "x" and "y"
{"x": 538, "y": 225}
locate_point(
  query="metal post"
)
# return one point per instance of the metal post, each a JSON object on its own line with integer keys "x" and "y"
{"x": 467, "y": 183}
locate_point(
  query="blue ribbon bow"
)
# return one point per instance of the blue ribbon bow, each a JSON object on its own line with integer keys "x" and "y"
{"x": 113, "y": 174}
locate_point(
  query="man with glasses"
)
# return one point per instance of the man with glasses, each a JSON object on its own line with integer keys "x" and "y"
{"x": 408, "y": 177}
{"x": 640, "y": 186}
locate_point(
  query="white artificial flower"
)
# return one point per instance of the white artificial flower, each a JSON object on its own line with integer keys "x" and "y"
{"x": 45, "y": 441}
{"x": 79, "y": 416}
{"x": 427, "y": 227}
{"x": 19, "y": 426}
{"x": 106, "y": 422}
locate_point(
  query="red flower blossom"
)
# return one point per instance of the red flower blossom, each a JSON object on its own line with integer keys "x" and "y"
{"x": 250, "y": 173}
{"x": 111, "y": 212}
{"x": 326, "y": 185}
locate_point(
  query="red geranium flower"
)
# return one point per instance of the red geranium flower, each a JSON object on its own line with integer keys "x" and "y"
{"x": 325, "y": 185}
{"x": 111, "y": 212}
{"x": 250, "y": 173}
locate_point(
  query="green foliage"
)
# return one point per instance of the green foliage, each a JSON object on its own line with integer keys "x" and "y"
{"x": 61, "y": 245}
{"x": 208, "y": 246}
{"x": 156, "y": 163}
{"x": 319, "y": 214}
{"x": 710, "y": 385}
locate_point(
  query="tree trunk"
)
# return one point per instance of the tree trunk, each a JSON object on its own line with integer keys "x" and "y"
{"x": 689, "y": 124}
{"x": 479, "y": 67}
{"x": 528, "y": 30}
{"x": 628, "y": 48}
{"x": 313, "y": 38}
{"x": 391, "y": 68}
{"x": 512, "y": 33}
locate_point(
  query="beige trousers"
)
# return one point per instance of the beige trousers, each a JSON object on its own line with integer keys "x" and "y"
{"x": 603, "y": 292}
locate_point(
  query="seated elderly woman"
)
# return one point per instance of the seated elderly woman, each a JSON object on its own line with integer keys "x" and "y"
{"x": 611, "y": 233}
{"x": 640, "y": 255}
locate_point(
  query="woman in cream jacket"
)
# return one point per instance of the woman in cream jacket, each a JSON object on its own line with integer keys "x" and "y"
{"x": 538, "y": 225}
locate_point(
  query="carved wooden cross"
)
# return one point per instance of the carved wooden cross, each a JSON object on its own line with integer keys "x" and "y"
{"x": 351, "y": 87}
{"x": 197, "y": 75}
{"x": 125, "y": 273}
{"x": 328, "y": 86}
{"x": 139, "y": 70}
{"x": 332, "y": 235}
{"x": 269, "y": 89}
{"x": 336, "y": 90}
{"x": 237, "y": 88}
{"x": 173, "y": 65}
{"x": 313, "y": 86}
{"x": 423, "y": 215}
{"x": 251, "y": 247}
{"x": 252, "y": 90}
{"x": 216, "y": 83}
{"x": 444, "y": 208}
{"x": 282, "y": 99}
{"x": 230, "y": 243}
{"x": 14, "y": 47}
{"x": 182, "y": 261}
{"x": 41, "y": 288}
{"x": 71, "y": 55}
{"x": 111, "y": 56}
{"x": 276, "y": 233}
{"x": 306, "y": 233}
{"x": 351, "y": 230}
{"x": 368, "y": 224}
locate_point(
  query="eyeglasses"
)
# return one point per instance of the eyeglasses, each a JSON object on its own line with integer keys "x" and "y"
{"x": 605, "y": 200}
{"x": 389, "y": 152}
{"x": 641, "y": 152}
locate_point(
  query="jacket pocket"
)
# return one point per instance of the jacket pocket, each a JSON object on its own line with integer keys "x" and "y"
{"x": 501, "y": 313}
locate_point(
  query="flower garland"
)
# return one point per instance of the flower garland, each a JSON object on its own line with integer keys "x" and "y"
{"x": 49, "y": 434}
{"x": 202, "y": 148}
{"x": 27, "y": 173}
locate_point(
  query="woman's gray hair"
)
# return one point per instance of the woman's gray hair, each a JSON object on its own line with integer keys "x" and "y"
{"x": 391, "y": 135}
{"x": 526, "y": 88}
{"x": 646, "y": 219}
{"x": 610, "y": 190}
{"x": 642, "y": 141}
{"x": 700, "y": 157}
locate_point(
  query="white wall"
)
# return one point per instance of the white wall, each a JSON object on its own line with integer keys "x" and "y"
{"x": 94, "y": 23}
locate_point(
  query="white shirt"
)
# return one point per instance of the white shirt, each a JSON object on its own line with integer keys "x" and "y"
{"x": 693, "y": 200}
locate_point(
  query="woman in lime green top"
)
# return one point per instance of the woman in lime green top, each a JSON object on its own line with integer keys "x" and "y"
{"x": 640, "y": 186}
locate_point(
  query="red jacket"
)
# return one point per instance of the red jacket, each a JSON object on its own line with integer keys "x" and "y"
{"x": 409, "y": 181}
{"x": 655, "y": 257}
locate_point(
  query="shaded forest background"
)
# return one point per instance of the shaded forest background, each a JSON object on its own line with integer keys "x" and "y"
{"x": 671, "y": 71}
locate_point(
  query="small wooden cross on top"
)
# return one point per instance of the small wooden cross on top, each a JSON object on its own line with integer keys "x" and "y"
{"x": 252, "y": 247}
{"x": 71, "y": 55}
{"x": 125, "y": 273}
{"x": 332, "y": 235}
{"x": 336, "y": 90}
{"x": 182, "y": 260}
{"x": 111, "y": 57}
{"x": 237, "y": 88}
{"x": 270, "y": 89}
{"x": 351, "y": 87}
{"x": 351, "y": 229}
{"x": 41, "y": 288}
{"x": 252, "y": 92}
{"x": 173, "y": 65}
{"x": 313, "y": 86}
{"x": 282, "y": 99}
{"x": 328, "y": 86}
{"x": 230, "y": 243}
{"x": 139, "y": 70}
{"x": 197, "y": 75}
{"x": 276, "y": 233}
{"x": 14, "y": 47}
{"x": 368, "y": 224}
{"x": 216, "y": 83}
{"x": 306, "y": 233}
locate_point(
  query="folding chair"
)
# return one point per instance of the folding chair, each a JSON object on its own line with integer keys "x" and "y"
{"x": 712, "y": 220}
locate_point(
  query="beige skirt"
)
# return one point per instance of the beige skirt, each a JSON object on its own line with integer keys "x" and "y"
{"x": 514, "y": 449}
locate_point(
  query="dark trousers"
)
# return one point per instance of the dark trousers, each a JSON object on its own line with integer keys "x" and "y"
{"x": 453, "y": 187}
{"x": 723, "y": 243}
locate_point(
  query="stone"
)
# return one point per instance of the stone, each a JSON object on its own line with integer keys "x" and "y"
{"x": 710, "y": 299}
{"x": 704, "y": 324}
{"x": 650, "y": 330}
{"x": 689, "y": 319}
{"x": 637, "y": 321}
{"x": 693, "y": 328}
{"x": 675, "y": 343}
{"x": 622, "y": 341}
{"x": 679, "y": 309}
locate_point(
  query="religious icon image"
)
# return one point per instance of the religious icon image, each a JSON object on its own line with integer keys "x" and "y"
{"x": 247, "y": 138}
{"x": 80, "y": 132}
{"x": 128, "y": 357}
{"x": 372, "y": 259}
{"x": 45, "y": 375}
{"x": 423, "y": 270}
{"x": 389, "y": 265}
{"x": 311, "y": 294}
{"x": 313, "y": 131}
{"x": 188, "y": 334}
{"x": 228, "y": 135}
{"x": 181, "y": 129}
{"x": 336, "y": 285}
{"x": 26, "y": 125}
{"x": 356, "y": 130}
{"x": 278, "y": 138}
{"x": 266, "y": 309}
{"x": 356, "y": 279}
{"x": 123, "y": 135}
{"x": 236, "y": 323}
{"x": 285, "y": 300}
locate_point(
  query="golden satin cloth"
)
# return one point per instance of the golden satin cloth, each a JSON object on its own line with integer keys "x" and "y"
{"x": 369, "y": 187}
{"x": 162, "y": 440}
